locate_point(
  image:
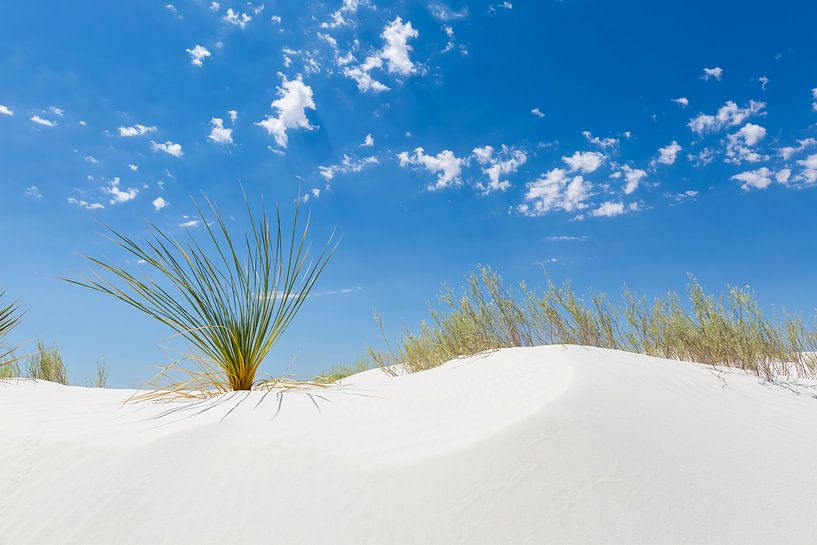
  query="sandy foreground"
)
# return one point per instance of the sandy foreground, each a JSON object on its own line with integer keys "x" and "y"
{"x": 530, "y": 445}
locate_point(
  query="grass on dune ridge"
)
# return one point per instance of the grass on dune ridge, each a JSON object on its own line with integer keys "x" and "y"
{"x": 728, "y": 329}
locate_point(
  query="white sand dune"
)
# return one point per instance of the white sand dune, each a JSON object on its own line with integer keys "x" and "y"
{"x": 531, "y": 445}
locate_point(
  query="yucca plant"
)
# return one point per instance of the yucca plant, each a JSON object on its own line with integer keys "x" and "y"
{"x": 10, "y": 317}
{"x": 230, "y": 297}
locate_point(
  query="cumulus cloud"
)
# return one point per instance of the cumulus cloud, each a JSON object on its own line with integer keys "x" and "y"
{"x": 233, "y": 115}
{"x": 40, "y": 121}
{"x": 788, "y": 151}
{"x": 498, "y": 164}
{"x": 754, "y": 179}
{"x": 584, "y": 161}
{"x": 236, "y": 18}
{"x": 537, "y": 112}
{"x": 85, "y": 204}
{"x": 159, "y": 203}
{"x": 218, "y": 133}
{"x": 368, "y": 142}
{"x": 133, "y": 167}
{"x": 603, "y": 143}
{"x": 198, "y": 54}
{"x": 710, "y": 73}
{"x": 119, "y": 195}
{"x": 348, "y": 164}
{"x": 136, "y": 130}
{"x": 633, "y": 176}
{"x": 344, "y": 15}
{"x": 729, "y": 115}
{"x": 809, "y": 173}
{"x": 739, "y": 144}
{"x": 681, "y": 101}
{"x": 215, "y": 6}
{"x": 555, "y": 190}
{"x": 294, "y": 98}
{"x": 168, "y": 147}
{"x": 394, "y": 55}
{"x": 445, "y": 164}
{"x": 609, "y": 209}
{"x": 34, "y": 192}
{"x": 668, "y": 154}
{"x": 764, "y": 81}
{"x": 5, "y": 110}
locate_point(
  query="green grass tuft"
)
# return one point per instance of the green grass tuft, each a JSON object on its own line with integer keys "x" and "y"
{"x": 46, "y": 364}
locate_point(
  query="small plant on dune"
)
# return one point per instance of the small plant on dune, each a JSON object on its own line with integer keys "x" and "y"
{"x": 10, "y": 317}
{"x": 101, "y": 378}
{"x": 230, "y": 297}
{"x": 46, "y": 364}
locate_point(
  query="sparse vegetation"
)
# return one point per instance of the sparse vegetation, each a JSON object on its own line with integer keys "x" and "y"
{"x": 229, "y": 297}
{"x": 342, "y": 371}
{"x": 101, "y": 379}
{"x": 46, "y": 364}
{"x": 729, "y": 330}
{"x": 10, "y": 317}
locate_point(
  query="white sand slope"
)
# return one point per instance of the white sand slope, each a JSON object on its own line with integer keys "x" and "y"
{"x": 532, "y": 445}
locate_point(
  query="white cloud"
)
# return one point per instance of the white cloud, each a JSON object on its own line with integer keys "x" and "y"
{"x": 445, "y": 13}
{"x": 668, "y": 154}
{"x": 119, "y": 196}
{"x": 497, "y": 165}
{"x": 445, "y": 164}
{"x": 584, "y": 161}
{"x": 34, "y": 192}
{"x": 782, "y": 176}
{"x": 236, "y": 19}
{"x": 555, "y": 191}
{"x": 219, "y": 134}
{"x": 85, "y": 204}
{"x": 233, "y": 115}
{"x": 198, "y": 54}
{"x": 5, "y": 110}
{"x": 702, "y": 158}
{"x": 788, "y": 151}
{"x": 537, "y": 112}
{"x": 344, "y": 15}
{"x": 754, "y": 179}
{"x": 395, "y": 55}
{"x": 347, "y": 164}
{"x": 728, "y": 115}
{"x": 215, "y": 6}
{"x": 91, "y": 159}
{"x": 716, "y": 73}
{"x": 276, "y": 19}
{"x": 190, "y": 224}
{"x": 294, "y": 98}
{"x": 681, "y": 101}
{"x": 809, "y": 173}
{"x": 814, "y": 96}
{"x": 633, "y": 177}
{"x": 609, "y": 209}
{"x": 492, "y": 9}
{"x": 56, "y": 111}
{"x": 603, "y": 143}
{"x": 133, "y": 167}
{"x": 44, "y": 122}
{"x": 368, "y": 142}
{"x": 396, "y": 52}
{"x": 764, "y": 81}
{"x": 739, "y": 144}
{"x": 136, "y": 130}
{"x": 313, "y": 193}
{"x": 168, "y": 147}
{"x": 159, "y": 203}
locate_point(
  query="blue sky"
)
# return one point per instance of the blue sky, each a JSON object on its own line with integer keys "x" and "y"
{"x": 614, "y": 142}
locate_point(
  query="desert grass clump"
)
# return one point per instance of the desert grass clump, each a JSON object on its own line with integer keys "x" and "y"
{"x": 728, "y": 329}
{"x": 46, "y": 364}
{"x": 231, "y": 297}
